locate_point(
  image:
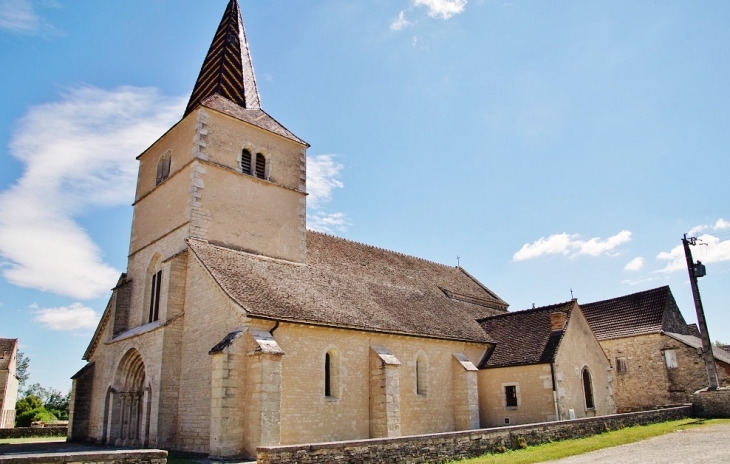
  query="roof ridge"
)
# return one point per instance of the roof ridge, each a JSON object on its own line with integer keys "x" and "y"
{"x": 651, "y": 290}
{"x": 530, "y": 310}
{"x": 382, "y": 249}
{"x": 244, "y": 252}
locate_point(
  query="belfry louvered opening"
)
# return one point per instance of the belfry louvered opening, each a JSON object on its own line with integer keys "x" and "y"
{"x": 246, "y": 162}
{"x": 260, "y": 166}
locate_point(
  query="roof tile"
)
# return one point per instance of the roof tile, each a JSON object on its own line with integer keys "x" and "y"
{"x": 345, "y": 283}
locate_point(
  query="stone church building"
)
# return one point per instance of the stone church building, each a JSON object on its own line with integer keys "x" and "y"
{"x": 235, "y": 327}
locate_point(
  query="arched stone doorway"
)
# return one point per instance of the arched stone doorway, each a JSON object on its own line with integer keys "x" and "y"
{"x": 128, "y": 403}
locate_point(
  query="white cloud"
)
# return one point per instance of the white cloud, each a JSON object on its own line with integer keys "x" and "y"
{"x": 79, "y": 154}
{"x": 73, "y": 317}
{"x": 721, "y": 224}
{"x": 323, "y": 174}
{"x": 400, "y": 22}
{"x": 443, "y": 9}
{"x": 571, "y": 244}
{"x": 19, "y": 16}
{"x": 635, "y": 264}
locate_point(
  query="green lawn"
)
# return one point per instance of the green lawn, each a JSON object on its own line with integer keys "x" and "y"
{"x": 563, "y": 449}
{"x": 13, "y": 441}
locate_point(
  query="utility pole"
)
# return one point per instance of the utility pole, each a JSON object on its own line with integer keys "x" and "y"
{"x": 704, "y": 334}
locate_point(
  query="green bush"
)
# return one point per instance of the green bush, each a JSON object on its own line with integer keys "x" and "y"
{"x": 30, "y": 409}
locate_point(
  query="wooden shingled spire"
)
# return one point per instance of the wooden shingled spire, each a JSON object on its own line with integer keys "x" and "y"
{"x": 227, "y": 70}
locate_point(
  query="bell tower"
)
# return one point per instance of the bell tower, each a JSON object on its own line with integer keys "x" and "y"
{"x": 227, "y": 172}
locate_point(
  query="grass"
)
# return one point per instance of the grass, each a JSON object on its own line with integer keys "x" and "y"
{"x": 566, "y": 448}
{"x": 13, "y": 441}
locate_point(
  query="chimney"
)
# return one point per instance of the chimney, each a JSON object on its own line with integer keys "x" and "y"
{"x": 557, "y": 320}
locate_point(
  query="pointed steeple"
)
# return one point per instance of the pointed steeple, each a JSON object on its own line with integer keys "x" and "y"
{"x": 227, "y": 70}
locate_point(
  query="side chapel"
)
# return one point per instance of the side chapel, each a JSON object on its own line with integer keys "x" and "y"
{"x": 235, "y": 327}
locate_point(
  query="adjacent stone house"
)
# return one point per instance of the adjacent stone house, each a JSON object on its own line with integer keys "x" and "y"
{"x": 546, "y": 365}
{"x": 653, "y": 351}
{"x": 8, "y": 381}
{"x": 235, "y": 327}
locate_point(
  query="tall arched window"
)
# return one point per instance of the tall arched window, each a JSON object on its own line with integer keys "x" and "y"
{"x": 246, "y": 161}
{"x": 421, "y": 375}
{"x": 154, "y": 286}
{"x": 260, "y": 166}
{"x": 163, "y": 167}
{"x": 331, "y": 373}
{"x": 588, "y": 389}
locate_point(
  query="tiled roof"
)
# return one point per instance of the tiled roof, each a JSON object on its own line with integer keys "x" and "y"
{"x": 7, "y": 345}
{"x": 256, "y": 117}
{"x": 696, "y": 343}
{"x": 524, "y": 337}
{"x": 349, "y": 284}
{"x": 227, "y": 69}
{"x": 650, "y": 311}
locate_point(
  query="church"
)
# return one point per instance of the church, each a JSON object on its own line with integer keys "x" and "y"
{"x": 236, "y": 327}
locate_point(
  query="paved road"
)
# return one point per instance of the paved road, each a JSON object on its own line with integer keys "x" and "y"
{"x": 704, "y": 444}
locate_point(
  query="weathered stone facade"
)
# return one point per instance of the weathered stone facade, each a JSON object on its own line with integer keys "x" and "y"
{"x": 645, "y": 381}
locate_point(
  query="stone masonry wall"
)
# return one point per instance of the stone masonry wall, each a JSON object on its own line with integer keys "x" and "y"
{"x": 443, "y": 447}
{"x": 93, "y": 457}
{"x": 645, "y": 363}
{"x": 712, "y": 403}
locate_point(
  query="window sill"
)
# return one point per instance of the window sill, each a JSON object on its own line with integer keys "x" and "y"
{"x": 331, "y": 399}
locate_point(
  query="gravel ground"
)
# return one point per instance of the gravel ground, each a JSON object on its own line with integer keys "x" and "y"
{"x": 706, "y": 444}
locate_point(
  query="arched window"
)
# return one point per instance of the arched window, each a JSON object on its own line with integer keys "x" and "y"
{"x": 260, "y": 166}
{"x": 588, "y": 389}
{"x": 246, "y": 162}
{"x": 421, "y": 375}
{"x": 154, "y": 285}
{"x": 331, "y": 373}
{"x": 163, "y": 168}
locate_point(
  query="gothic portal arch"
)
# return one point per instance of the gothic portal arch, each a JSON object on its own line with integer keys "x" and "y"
{"x": 128, "y": 403}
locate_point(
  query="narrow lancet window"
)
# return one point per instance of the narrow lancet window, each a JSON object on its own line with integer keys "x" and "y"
{"x": 421, "y": 375}
{"x": 327, "y": 375}
{"x": 155, "y": 296}
{"x": 588, "y": 389}
{"x": 163, "y": 168}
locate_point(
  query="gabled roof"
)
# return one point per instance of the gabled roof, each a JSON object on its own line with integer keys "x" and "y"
{"x": 256, "y": 117}
{"x": 349, "y": 284}
{"x": 647, "y": 312}
{"x": 227, "y": 69}
{"x": 7, "y": 346}
{"x": 693, "y": 329}
{"x": 524, "y": 337}
{"x": 696, "y": 343}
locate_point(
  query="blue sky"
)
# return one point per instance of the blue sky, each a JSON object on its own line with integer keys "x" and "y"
{"x": 550, "y": 145}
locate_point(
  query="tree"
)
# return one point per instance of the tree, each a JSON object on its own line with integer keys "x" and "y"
{"x": 21, "y": 368}
{"x": 37, "y": 403}
{"x": 30, "y": 408}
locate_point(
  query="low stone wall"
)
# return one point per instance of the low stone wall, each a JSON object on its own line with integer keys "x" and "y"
{"x": 712, "y": 403}
{"x": 30, "y": 432}
{"x": 90, "y": 457}
{"x": 443, "y": 447}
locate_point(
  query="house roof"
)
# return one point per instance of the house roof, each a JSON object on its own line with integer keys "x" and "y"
{"x": 524, "y": 337}
{"x": 256, "y": 117}
{"x": 630, "y": 315}
{"x": 696, "y": 343}
{"x": 349, "y": 284}
{"x": 227, "y": 69}
{"x": 7, "y": 346}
